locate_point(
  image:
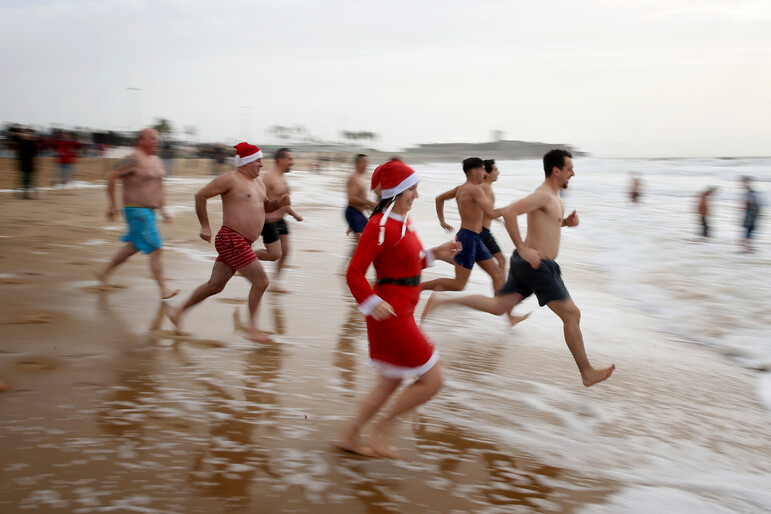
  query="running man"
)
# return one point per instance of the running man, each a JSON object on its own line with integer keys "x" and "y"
{"x": 276, "y": 187}
{"x": 532, "y": 267}
{"x": 244, "y": 203}
{"x": 491, "y": 170}
{"x": 357, "y": 188}
{"x": 142, "y": 176}
{"x": 474, "y": 207}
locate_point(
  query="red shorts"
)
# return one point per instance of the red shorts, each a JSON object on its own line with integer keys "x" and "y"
{"x": 234, "y": 249}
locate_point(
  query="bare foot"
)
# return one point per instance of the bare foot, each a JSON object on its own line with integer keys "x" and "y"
{"x": 380, "y": 446}
{"x": 258, "y": 337}
{"x": 514, "y": 319}
{"x": 102, "y": 278}
{"x": 168, "y": 293}
{"x": 355, "y": 448}
{"x": 433, "y": 302}
{"x": 594, "y": 376}
{"x": 173, "y": 313}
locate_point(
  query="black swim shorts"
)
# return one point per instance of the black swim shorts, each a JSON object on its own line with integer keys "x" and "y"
{"x": 272, "y": 231}
{"x": 489, "y": 241}
{"x": 546, "y": 281}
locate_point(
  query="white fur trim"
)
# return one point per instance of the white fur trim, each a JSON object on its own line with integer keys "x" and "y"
{"x": 403, "y": 186}
{"x": 241, "y": 161}
{"x": 367, "y": 306}
{"x": 389, "y": 370}
{"x": 429, "y": 257}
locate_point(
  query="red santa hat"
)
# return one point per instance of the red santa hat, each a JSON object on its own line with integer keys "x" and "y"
{"x": 246, "y": 153}
{"x": 394, "y": 177}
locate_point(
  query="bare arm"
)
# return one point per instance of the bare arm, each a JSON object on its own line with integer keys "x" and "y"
{"x": 440, "y": 206}
{"x": 527, "y": 204}
{"x": 122, "y": 169}
{"x": 218, "y": 186}
{"x": 486, "y": 204}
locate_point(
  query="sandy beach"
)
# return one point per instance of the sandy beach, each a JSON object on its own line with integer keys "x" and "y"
{"x": 109, "y": 410}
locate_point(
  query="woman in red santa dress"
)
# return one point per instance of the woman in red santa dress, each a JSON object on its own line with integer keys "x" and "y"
{"x": 397, "y": 347}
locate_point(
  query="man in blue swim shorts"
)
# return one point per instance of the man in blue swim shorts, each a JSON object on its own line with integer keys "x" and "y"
{"x": 142, "y": 175}
{"x": 533, "y": 269}
{"x": 357, "y": 188}
{"x": 474, "y": 206}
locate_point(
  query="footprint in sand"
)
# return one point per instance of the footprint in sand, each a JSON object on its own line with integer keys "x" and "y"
{"x": 38, "y": 363}
{"x": 103, "y": 289}
{"x": 32, "y": 274}
{"x": 32, "y": 319}
{"x": 78, "y": 263}
{"x": 9, "y": 282}
{"x": 232, "y": 301}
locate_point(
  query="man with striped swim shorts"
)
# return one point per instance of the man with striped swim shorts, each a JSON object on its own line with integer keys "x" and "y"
{"x": 244, "y": 204}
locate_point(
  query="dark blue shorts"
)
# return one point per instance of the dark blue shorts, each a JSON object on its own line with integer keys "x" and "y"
{"x": 489, "y": 241}
{"x": 272, "y": 231}
{"x": 356, "y": 220}
{"x": 474, "y": 250}
{"x": 546, "y": 281}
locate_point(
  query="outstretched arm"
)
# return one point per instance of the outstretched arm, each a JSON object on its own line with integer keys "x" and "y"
{"x": 440, "y": 206}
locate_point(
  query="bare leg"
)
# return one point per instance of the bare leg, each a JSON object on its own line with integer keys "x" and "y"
{"x": 220, "y": 275}
{"x": 119, "y": 258}
{"x": 373, "y": 402}
{"x": 492, "y": 269}
{"x": 255, "y": 273}
{"x": 571, "y": 317}
{"x": 277, "y": 287}
{"x": 497, "y": 305}
{"x": 156, "y": 266}
{"x": 449, "y": 284}
{"x": 501, "y": 260}
{"x": 271, "y": 252}
{"x": 417, "y": 393}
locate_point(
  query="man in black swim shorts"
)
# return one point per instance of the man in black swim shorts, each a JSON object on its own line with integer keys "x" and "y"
{"x": 532, "y": 266}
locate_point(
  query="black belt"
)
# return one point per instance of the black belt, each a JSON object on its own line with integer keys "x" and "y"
{"x": 407, "y": 281}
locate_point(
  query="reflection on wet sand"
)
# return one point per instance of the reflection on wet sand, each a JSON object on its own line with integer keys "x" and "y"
{"x": 354, "y": 327}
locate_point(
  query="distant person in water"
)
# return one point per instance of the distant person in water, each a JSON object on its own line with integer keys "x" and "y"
{"x": 532, "y": 268}
{"x": 244, "y": 204}
{"x": 703, "y": 211}
{"x": 142, "y": 175}
{"x": 751, "y": 213}
{"x": 635, "y": 189}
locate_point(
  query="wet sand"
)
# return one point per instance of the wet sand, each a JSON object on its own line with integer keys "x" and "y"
{"x": 108, "y": 410}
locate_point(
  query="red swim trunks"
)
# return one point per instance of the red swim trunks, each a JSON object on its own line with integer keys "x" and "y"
{"x": 234, "y": 249}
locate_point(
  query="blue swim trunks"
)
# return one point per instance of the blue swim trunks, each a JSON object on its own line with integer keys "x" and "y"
{"x": 356, "y": 219}
{"x": 474, "y": 250}
{"x": 142, "y": 229}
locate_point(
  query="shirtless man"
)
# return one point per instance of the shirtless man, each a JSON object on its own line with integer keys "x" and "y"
{"x": 142, "y": 175}
{"x": 276, "y": 186}
{"x": 357, "y": 188}
{"x": 474, "y": 207}
{"x": 244, "y": 203}
{"x": 532, "y": 267}
{"x": 491, "y": 170}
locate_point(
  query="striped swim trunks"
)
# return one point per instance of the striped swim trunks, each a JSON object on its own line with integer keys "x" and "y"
{"x": 234, "y": 249}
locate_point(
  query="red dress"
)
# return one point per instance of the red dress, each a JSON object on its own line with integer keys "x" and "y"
{"x": 397, "y": 347}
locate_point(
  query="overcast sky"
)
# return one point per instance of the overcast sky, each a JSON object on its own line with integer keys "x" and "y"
{"x": 612, "y": 77}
